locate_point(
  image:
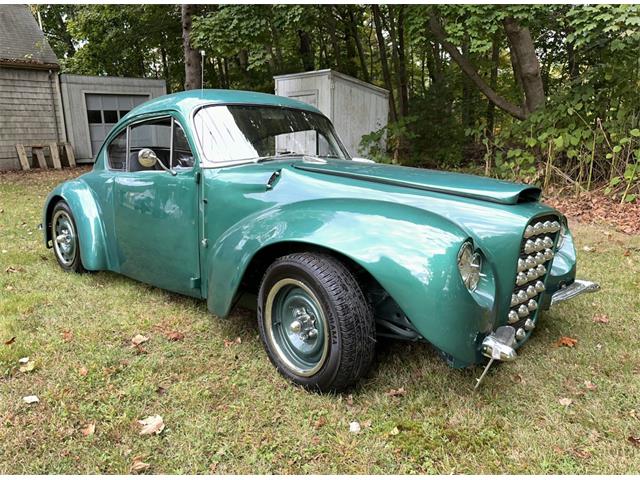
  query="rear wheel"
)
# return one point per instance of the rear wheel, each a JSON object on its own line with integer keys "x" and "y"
{"x": 315, "y": 323}
{"x": 64, "y": 236}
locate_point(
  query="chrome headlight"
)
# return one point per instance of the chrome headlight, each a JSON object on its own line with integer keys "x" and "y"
{"x": 469, "y": 265}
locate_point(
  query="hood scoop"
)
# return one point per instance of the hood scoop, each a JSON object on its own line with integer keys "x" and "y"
{"x": 458, "y": 184}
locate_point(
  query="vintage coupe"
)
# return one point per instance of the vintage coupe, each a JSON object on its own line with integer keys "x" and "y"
{"x": 229, "y": 195}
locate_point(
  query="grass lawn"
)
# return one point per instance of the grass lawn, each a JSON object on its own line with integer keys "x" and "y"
{"x": 226, "y": 410}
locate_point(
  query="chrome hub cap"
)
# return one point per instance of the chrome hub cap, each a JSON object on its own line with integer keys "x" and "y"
{"x": 64, "y": 238}
{"x": 296, "y": 326}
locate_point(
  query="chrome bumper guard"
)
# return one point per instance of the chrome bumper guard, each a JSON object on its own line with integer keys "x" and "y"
{"x": 578, "y": 287}
{"x": 500, "y": 345}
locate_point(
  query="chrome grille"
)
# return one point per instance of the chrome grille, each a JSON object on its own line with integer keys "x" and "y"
{"x": 536, "y": 252}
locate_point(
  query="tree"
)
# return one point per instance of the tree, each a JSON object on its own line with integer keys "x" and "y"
{"x": 192, "y": 60}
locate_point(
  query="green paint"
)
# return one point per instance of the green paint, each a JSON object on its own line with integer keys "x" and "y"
{"x": 404, "y": 226}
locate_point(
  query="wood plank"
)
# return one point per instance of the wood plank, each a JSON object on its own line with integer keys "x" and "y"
{"x": 55, "y": 156}
{"x": 39, "y": 153}
{"x": 71, "y": 158}
{"x": 22, "y": 155}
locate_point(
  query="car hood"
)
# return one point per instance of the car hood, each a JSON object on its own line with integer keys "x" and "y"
{"x": 470, "y": 186}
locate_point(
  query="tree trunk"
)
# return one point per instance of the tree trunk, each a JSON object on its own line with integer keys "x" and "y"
{"x": 356, "y": 38}
{"x": 306, "y": 51}
{"x": 192, "y": 67}
{"x": 466, "y": 66}
{"x": 466, "y": 88}
{"x": 384, "y": 62}
{"x": 493, "y": 82}
{"x": 165, "y": 68}
{"x": 396, "y": 32}
{"x": 522, "y": 48}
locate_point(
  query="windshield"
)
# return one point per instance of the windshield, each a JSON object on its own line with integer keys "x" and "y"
{"x": 239, "y": 132}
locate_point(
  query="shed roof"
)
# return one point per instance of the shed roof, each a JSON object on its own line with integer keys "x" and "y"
{"x": 22, "y": 43}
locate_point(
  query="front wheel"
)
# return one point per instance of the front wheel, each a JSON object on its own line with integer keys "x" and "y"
{"x": 315, "y": 323}
{"x": 64, "y": 236}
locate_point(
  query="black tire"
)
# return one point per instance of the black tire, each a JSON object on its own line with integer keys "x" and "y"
{"x": 73, "y": 262}
{"x": 351, "y": 325}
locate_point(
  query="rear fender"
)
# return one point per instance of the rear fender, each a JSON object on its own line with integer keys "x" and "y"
{"x": 87, "y": 215}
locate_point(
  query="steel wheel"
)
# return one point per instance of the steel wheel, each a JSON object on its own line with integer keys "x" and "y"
{"x": 296, "y": 326}
{"x": 63, "y": 233}
{"x": 315, "y": 323}
{"x": 65, "y": 240}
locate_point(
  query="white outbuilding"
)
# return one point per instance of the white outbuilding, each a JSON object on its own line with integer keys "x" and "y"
{"x": 356, "y": 108}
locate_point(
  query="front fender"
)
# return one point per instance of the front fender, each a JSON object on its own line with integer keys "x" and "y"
{"x": 410, "y": 252}
{"x": 87, "y": 215}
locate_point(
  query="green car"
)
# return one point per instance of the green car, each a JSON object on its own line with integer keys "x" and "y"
{"x": 236, "y": 196}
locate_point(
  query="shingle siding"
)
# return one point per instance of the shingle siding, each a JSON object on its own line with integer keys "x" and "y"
{"x": 29, "y": 112}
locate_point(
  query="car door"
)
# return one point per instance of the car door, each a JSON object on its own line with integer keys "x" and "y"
{"x": 156, "y": 208}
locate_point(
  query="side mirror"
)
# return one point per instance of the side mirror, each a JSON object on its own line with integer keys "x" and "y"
{"x": 147, "y": 158}
{"x": 362, "y": 160}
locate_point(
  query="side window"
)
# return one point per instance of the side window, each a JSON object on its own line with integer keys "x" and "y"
{"x": 182, "y": 155}
{"x": 117, "y": 151}
{"x": 156, "y": 135}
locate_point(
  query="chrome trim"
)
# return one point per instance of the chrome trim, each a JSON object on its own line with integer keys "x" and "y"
{"x": 500, "y": 344}
{"x": 578, "y": 287}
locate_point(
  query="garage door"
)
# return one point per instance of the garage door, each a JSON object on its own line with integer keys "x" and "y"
{"x": 104, "y": 111}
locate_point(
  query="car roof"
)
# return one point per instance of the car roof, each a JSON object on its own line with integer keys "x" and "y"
{"x": 188, "y": 100}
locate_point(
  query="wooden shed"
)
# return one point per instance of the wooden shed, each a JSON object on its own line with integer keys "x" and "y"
{"x": 356, "y": 108}
{"x": 30, "y": 101}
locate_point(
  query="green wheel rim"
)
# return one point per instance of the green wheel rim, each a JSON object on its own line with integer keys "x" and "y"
{"x": 296, "y": 326}
{"x": 64, "y": 238}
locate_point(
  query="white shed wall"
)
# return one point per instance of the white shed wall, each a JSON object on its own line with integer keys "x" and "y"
{"x": 356, "y": 108}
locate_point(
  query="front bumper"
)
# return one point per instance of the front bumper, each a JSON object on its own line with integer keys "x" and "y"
{"x": 576, "y": 288}
{"x": 501, "y": 344}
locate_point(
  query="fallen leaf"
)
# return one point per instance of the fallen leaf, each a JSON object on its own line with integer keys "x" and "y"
{"x": 11, "y": 269}
{"x": 138, "y": 466}
{"x": 151, "y": 425}
{"x": 400, "y": 392}
{"x": 161, "y": 390}
{"x": 583, "y": 454}
{"x": 587, "y": 248}
{"x": 138, "y": 340}
{"x": 10, "y": 341}
{"x": 319, "y": 423}
{"x": 23, "y": 360}
{"x": 83, "y": 371}
{"x": 31, "y": 399}
{"x": 88, "y": 430}
{"x": 354, "y": 427}
{"x": 565, "y": 402}
{"x": 67, "y": 335}
{"x": 28, "y": 367}
{"x": 566, "y": 342}
{"x": 600, "y": 318}
{"x": 394, "y": 431}
{"x": 589, "y": 385}
{"x": 350, "y": 400}
{"x": 635, "y": 440}
{"x": 175, "y": 336}
{"x": 228, "y": 343}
